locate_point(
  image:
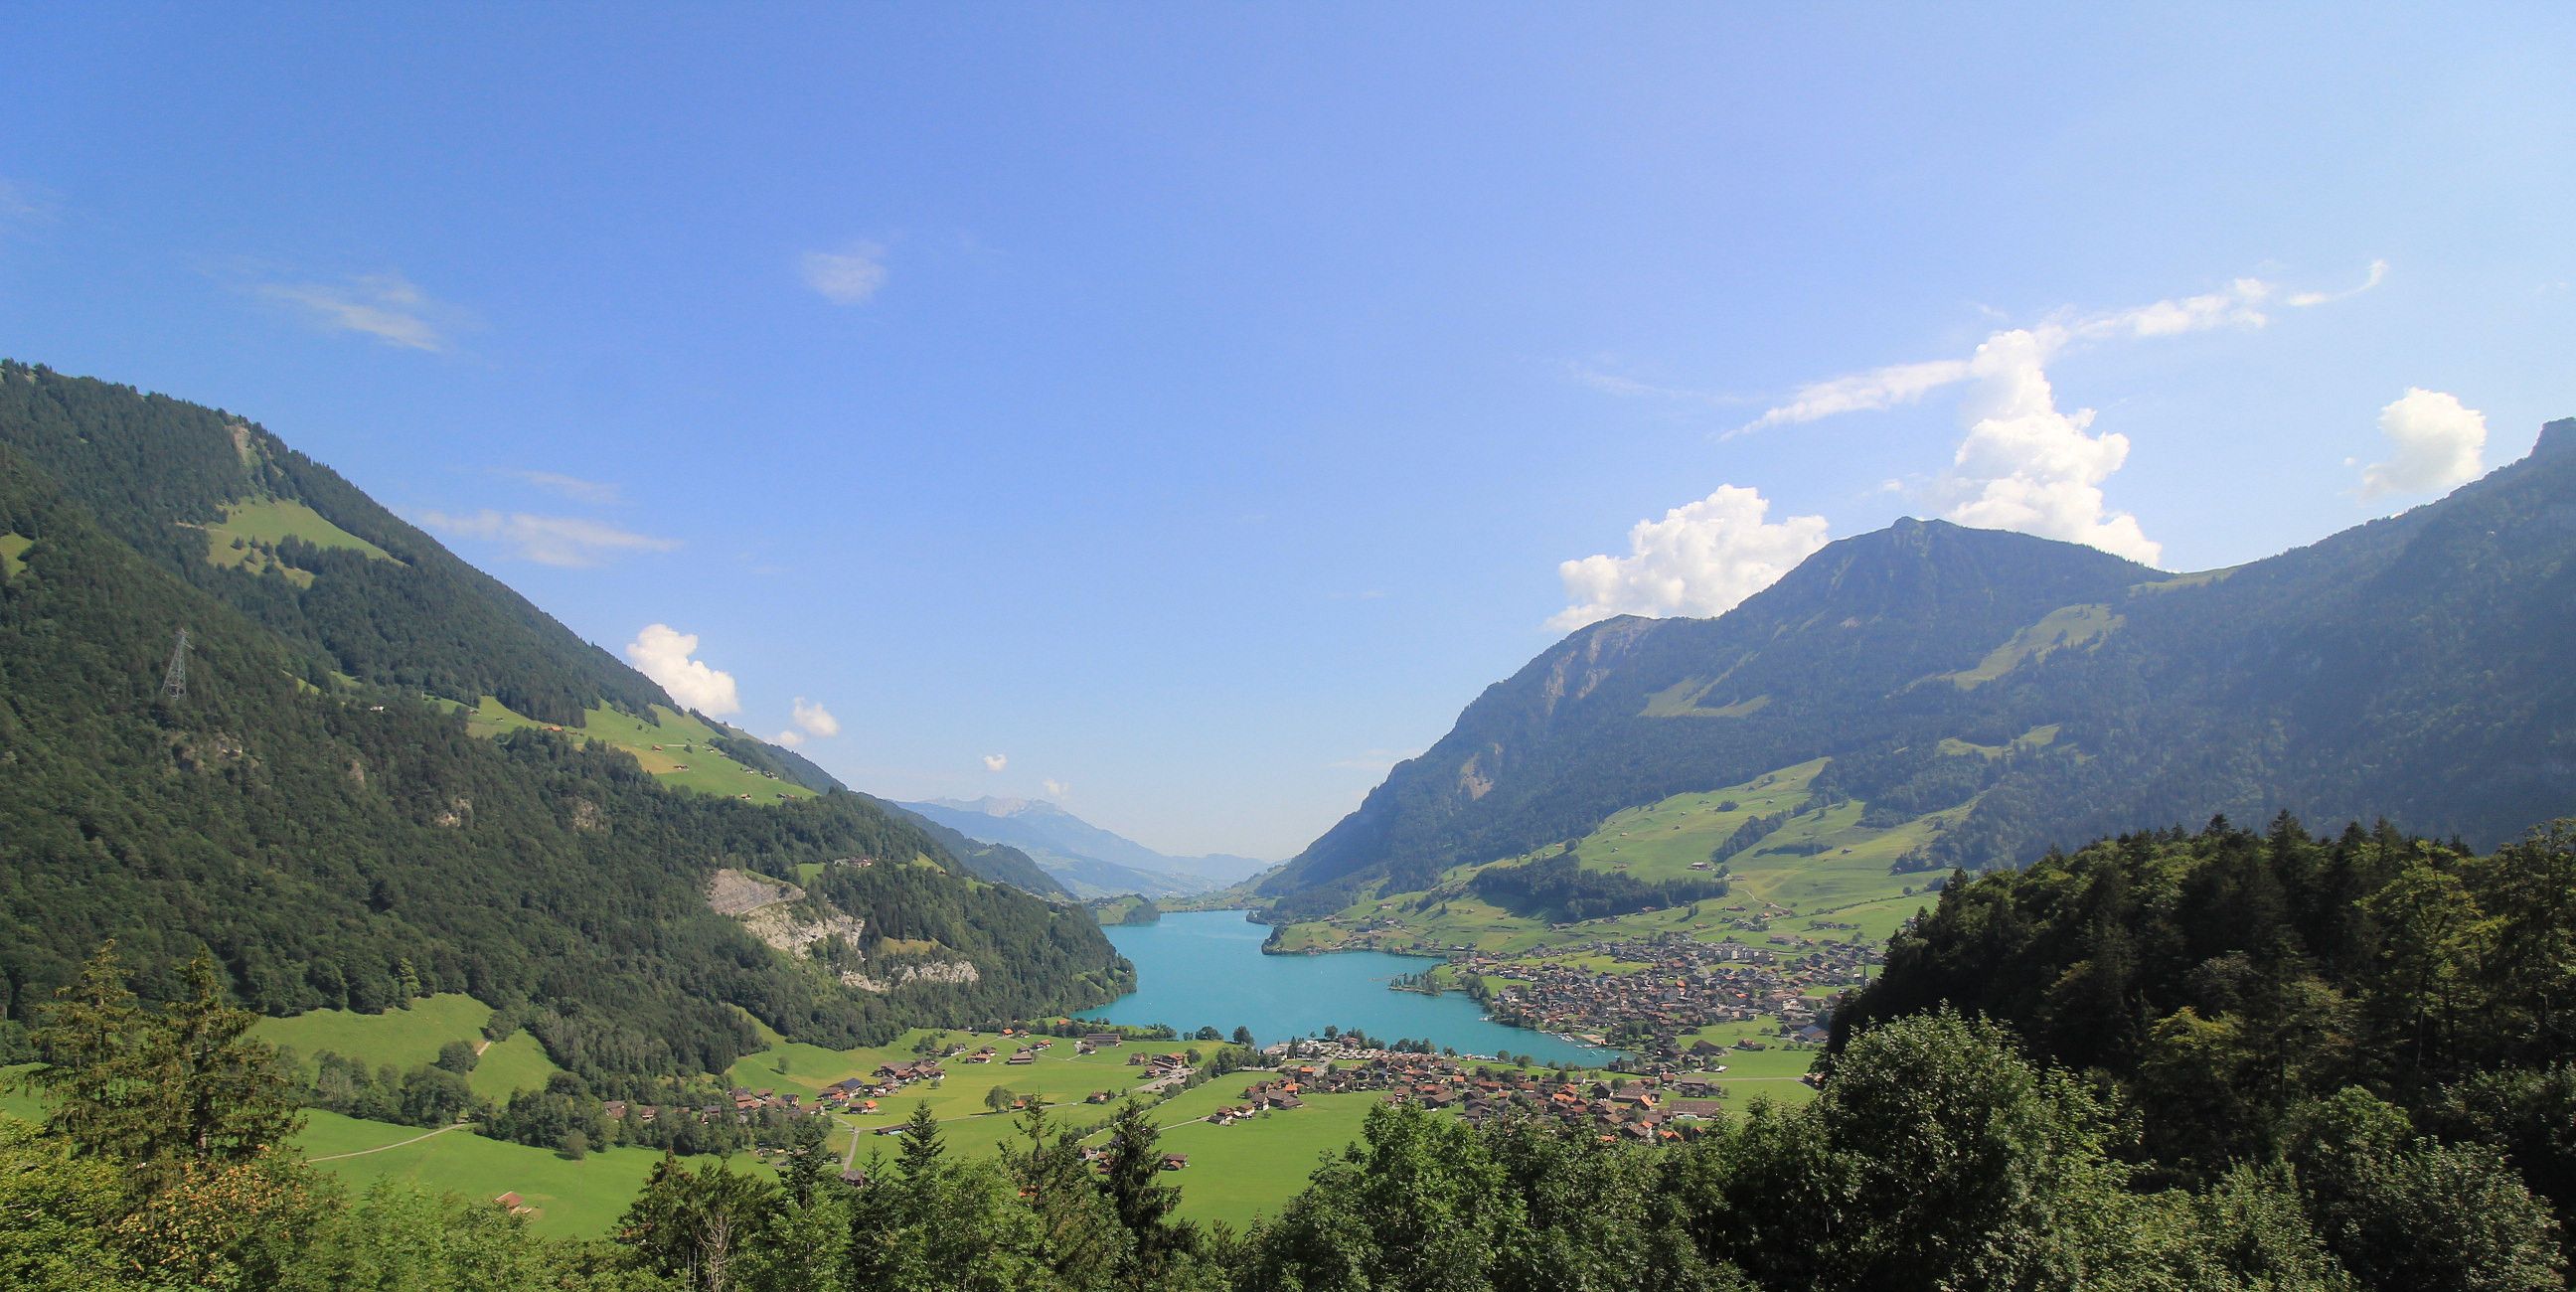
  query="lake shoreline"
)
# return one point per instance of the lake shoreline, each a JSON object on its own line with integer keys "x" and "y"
{"x": 1198, "y": 969}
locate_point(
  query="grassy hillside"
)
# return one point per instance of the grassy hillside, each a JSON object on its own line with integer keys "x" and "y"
{"x": 566, "y": 1198}
{"x": 1822, "y": 874}
{"x": 251, "y": 531}
{"x": 677, "y": 749}
{"x": 402, "y": 1037}
{"x": 406, "y": 1038}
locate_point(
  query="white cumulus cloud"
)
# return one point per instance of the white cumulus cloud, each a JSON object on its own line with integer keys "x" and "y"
{"x": 2027, "y": 466}
{"x": 813, "y": 719}
{"x": 848, "y": 276}
{"x": 810, "y": 718}
{"x": 1700, "y": 559}
{"x": 664, "y": 654}
{"x": 1055, "y": 789}
{"x": 996, "y": 762}
{"x": 567, "y": 541}
{"x": 2434, "y": 443}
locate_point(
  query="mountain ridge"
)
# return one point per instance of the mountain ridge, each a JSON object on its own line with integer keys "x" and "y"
{"x": 1880, "y": 648}
{"x": 326, "y": 808}
{"x": 1093, "y": 861}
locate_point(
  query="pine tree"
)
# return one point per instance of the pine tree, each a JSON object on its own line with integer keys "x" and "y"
{"x": 922, "y": 1149}
{"x": 97, "y": 1074}
{"x": 1144, "y": 1204}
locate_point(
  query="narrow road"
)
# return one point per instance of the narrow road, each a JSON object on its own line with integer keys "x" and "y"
{"x": 396, "y": 1144}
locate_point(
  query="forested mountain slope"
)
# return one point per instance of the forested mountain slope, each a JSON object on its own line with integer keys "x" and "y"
{"x": 338, "y": 839}
{"x": 2418, "y": 667}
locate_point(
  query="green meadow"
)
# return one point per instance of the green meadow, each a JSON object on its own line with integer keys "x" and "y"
{"x": 675, "y": 748}
{"x": 1821, "y": 875}
{"x": 248, "y": 535}
{"x": 407, "y": 1038}
{"x": 13, "y": 554}
{"x": 1250, "y": 1169}
{"x": 567, "y": 1198}
{"x": 404, "y": 1038}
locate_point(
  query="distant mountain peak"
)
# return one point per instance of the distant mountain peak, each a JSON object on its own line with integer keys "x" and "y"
{"x": 1003, "y": 809}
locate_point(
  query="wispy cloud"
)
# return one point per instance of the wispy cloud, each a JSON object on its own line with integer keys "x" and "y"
{"x": 569, "y": 542}
{"x": 2377, "y": 275}
{"x": 598, "y": 493}
{"x": 25, "y": 203}
{"x": 2435, "y": 443}
{"x": 2025, "y": 464}
{"x": 1601, "y": 375}
{"x": 667, "y": 656}
{"x": 386, "y": 306}
{"x": 996, "y": 762}
{"x": 2239, "y": 304}
{"x": 848, "y": 276}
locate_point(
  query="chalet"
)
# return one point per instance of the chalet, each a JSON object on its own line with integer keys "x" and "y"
{"x": 1101, "y": 1040}
{"x": 512, "y": 1203}
{"x": 1098, "y": 1097}
{"x": 1022, "y": 1059}
{"x": 1175, "y": 1161}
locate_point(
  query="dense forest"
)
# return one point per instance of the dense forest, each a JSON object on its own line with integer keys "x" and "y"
{"x": 340, "y": 843}
{"x": 2414, "y": 667}
{"x": 2229, "y": 983}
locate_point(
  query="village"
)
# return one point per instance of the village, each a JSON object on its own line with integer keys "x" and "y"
{"x": 1647, "y": 1108}
{"x": 1680, "y": 985}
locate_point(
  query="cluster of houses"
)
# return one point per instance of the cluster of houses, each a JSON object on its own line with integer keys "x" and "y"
{"x": 1684, "y": 985}
{"x": 1650, "y": 1109}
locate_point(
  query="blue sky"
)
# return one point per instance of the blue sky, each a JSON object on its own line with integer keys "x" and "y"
{"x": 1193, "y": 408}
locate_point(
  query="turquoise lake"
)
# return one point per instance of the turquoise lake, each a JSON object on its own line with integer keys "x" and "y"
{"x": 1205, "y": 969}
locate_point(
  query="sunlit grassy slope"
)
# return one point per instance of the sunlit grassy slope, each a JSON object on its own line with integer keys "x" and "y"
{"x": 2065, "y": 627}
{"x": 13, "y": 554}
{"x": 570, "y": 1199}
{"x": 402, "y": 1037}
{"x": 1821, "y": 874}
{"x": 248, "y": 535}
{"x": 407, "y": 1038}
{"x": 677, "y": 749}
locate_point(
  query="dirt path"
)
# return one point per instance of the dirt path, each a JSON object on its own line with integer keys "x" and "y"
{"x": 396, "y": 1144}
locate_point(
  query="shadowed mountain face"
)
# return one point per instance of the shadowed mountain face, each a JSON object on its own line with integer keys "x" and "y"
{"x": 2417, "y": 667}
{"x": 1092, "y": 861}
